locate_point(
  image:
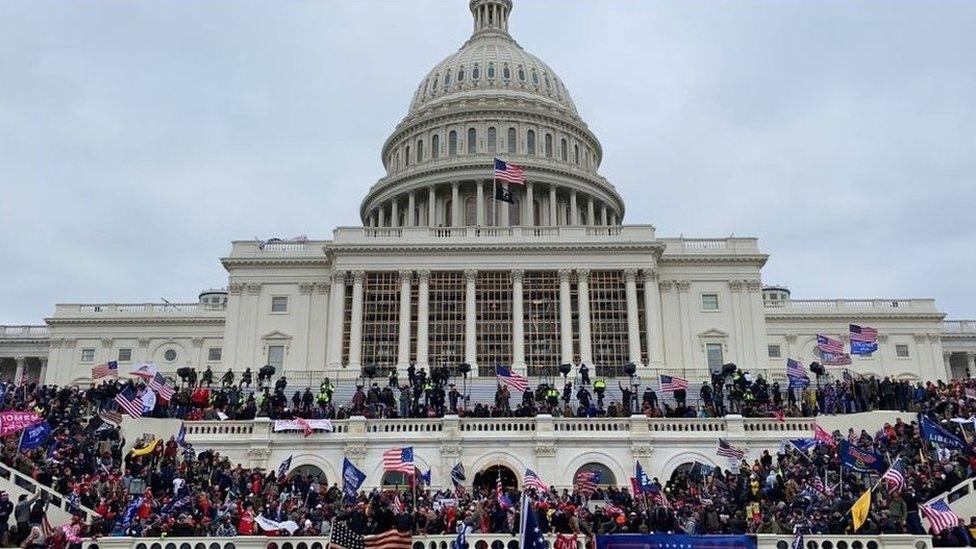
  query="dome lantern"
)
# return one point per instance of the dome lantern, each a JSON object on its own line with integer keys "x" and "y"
{"x": 490, "y": 15}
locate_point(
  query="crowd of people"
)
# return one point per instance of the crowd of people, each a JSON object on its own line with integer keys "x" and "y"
{"x": 176, "y": 491}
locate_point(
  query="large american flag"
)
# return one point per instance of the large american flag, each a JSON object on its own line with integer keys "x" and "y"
{"x": 832, "y": 351}
{"x": 109, "y": 369}
{"x": 795, "y": 369}
{"x": 863, "y": 333}
{"x": 158, "y": 384}
{"x": 727, "y": 450}
{"x": 586, "y": 482}
{"x": 940, "y": 516}
{"x": 129, "y": 403}
{"x": 512, "y": 379}
{"x": 670, "y": 384}
{"x": 532, "y": 480}
{"x": 894, "y": 477}
{"x": 399, "y": 459}
{"x": 509, "y": 172}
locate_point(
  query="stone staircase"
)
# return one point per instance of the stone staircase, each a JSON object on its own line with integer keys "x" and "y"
{"x": 59, "y": 511}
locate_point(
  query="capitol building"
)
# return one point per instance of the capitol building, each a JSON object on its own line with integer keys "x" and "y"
{"x": 439, "y": 275}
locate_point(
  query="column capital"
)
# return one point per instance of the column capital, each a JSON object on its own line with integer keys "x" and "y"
{"x": 754, "y": 286}
{"x": 358, "y": 276}
{"x": 323, "y": 286}
{"x": 736, "y": 285}
{"x": 665, "y": 285}
{"x": 305, "y": 288}
{"x": 565, "y": 274}
{"x": 683, "y": 285}
{"x": 470, "y": 274}
{"x": 582, "y": 275}
{"x": 630, "y": 274}
{"x": 650, "y": 275}
{"x": 20, "y": 360}
{"x": 253, "y": 288}
{"x": 518, "y": 275}
{"x": 423, "y": 275}
{"x": 43, "y": 360}
{"x": 946, "y": 355}
{"x": 405, "y": 275}
{"x": 235, "y": 288}
{"x": 455, "y": 184}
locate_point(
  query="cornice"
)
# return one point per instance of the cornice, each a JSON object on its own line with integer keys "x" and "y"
{"x": 275, "y": 261}
{"x": 134, "y": 320}
{"x": 758, "y": 259}
{"x": 844, "y": 316}
{"x": 494, "y": 248}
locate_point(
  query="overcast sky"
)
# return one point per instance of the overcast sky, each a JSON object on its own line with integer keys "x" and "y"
{"x": 138, "y": 138}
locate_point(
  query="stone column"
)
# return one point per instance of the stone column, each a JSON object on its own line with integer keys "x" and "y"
{"x": 395, "y": 213}
{"x": 590, "y": 211}
{"x": 603, "y": 214}
{"x": 518, "y": 323}
{"x": 21, "y": 367}
{"x": 42, "y": 375}
{"x": 480, "y": 202}
{"x": 633, "y": 322}
{"x": 431, "y": 207}
{"x": 655, "y": 325}
{"x": 456, "y": 220}
{"x": 573, "y": 210}
{"x": 403, "y": 343}
{"x": 586, "y": 343}
{"x": 565, "y": 318}
{"x": 356, "y": 324}
{"x": 552, "y": 206}
{"x": 411, "y": 207}
{"x": 528, "y": 218}
{"x": 337, "y": 304}
{"x": 970, "y": 364}
{"x": 613, "y": 218}
{"x": 381, "y": 219}
{"x": 423, "y": 312}
{"x": 470, "y": 321}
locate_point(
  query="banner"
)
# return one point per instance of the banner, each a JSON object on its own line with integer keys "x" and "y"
{"x": 668, "y": 541}
{"x": 269, "y": 525}
{"x": 300, "y": 425}
{"x": 936, "y": 434}
{"x": 861, "y": 460}
{"x": 13, "y": 421}
{"x": 35, "y": 435}
{"x": 352, "y": 478}
{"x": 147, "y": 449}
{"x": 441, "y": 503}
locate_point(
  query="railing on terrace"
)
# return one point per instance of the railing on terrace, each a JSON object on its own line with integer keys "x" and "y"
{"x": 372, "y": 235}
{"x": 852, "y": 304}
{"x": 21, "y": 332}
{"x": 729, "y": 245}
{"x": 959, "y": 327}
{"x": 138, "y": 309}
{"x": 489, "y": 541}
{"x": 31, "y": 486}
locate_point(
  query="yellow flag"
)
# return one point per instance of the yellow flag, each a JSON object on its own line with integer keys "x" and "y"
{"x": 859, "y": 511}
{"x": 147, "y": 449}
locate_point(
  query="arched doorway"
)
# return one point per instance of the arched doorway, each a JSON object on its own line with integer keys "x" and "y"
{"x": 398, "y": 479}
{"x": 487, "y": 479}
{"x": 603, "y": 475}
{"x": 312, "y": 471}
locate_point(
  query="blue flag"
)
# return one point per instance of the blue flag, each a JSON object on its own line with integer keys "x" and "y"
{"x": 643, "y": 481}
{"x": 35, "y": 435}
{"x": 457, "y": 474}
{"x": 664, "y": 541}
{"x": 861, "y": 460}
{"x": 180, "y": 500}
{"x": 531, "y": 536}
{"x": 352, "y": 479}
{"x": 284, "y": 467}
{"x": 131, "y": 510}
{"x": 803, "y": 444}
{"x": 935, "y": 433}
{"x": 425, "y": 478}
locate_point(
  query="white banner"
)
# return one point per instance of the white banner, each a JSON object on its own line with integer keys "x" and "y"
{"x": 302, "y": 424}
{"x": 269, "y": 525}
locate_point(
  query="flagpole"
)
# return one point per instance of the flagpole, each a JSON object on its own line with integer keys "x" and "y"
{"x": 494, "y": 197}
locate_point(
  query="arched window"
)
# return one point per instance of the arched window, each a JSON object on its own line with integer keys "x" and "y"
{"x": 535, "y": 78}
{"x": 492, "y": 139}
{"x": 576, "y": 155}
{"x": 447, "y": 80}
{"x": 476, "y": 71}
{"x": 563, "y": 151}
{"x": 546, "y": 77}
{"x": 433, "y": 87}
{"x": 506, "y": 72}
{"x": 511, "y": 141}
{"x": 407, "y": 155}
{"x": 452, "y": 143}
{"x": 420, "y": 150}
{"x": 491, "y": 71}
{"x": 472, "y": 140}
{"x": 470, "y": 211}
{"x": 521, "y": 74}
{"x": 548, "y": 145}
{"x": 461, "y": 74}
{"x": 435, "y": 146}
{"x": 530, "y": 142}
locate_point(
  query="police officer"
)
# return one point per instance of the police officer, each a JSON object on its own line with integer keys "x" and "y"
{"x": 228, "y": 379}
{"x": 584, "y": 372}
{"x": 600, "y": 388}
{"x": 207, "y": 376}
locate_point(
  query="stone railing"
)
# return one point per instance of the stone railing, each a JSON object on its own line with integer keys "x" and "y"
{"x": 24, "y": 332}
{"x": 829, "y": 305}
{"x": 959, "y": 327}
{"x": 555, "y": 235}
{"x": 723, "y": 246}
{"x": 31, "y": 487}
{"x": 123, "y": 310}
{"x": 288, "y": 248}
{"x": 487, "y": 541}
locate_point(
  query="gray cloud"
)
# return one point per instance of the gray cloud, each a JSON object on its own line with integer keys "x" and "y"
{"x": 138, "y": 138}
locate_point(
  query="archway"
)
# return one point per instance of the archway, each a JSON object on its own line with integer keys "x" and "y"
{"x": 487, "y": 479}
{"x": 312, "y": 471}
{"x": 604, "y": 476}
{"x": 398, "y": 478}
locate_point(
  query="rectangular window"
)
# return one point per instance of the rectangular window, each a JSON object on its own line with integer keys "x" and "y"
{"x": 709, "y": 302}
{"x": 608, "y": 322}
{"x": 88, "y": 355}
{"x": 773, "y": 351}
{"x": 540, "y": 291}
{"x": 276, "y": 356}
{"x": 125, "y": 355}
{"x": 381, "y": 320}
{"x": 715, "y": 359}
{"x": 446, "y": 321}
{"x": 493, "y": 309}
{"x": 901, "y": 351}
{"x": 213, "y": 354}
{"x": 279, "y": 304}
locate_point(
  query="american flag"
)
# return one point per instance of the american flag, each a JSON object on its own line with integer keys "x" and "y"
{"x": 344, "y": 538}
{"x": 657, "y": 496}
{"x": 832, "y": 351}
{"x": 670, "y": 384}
{"x": 863, "y": 334}
{"x": 727, "y": 450}
{"x": 398, "y": 506}
{"x": 158, "y": 384}
{"x": 940, "y": 516}
{"x": 586, "y": 482}
{"x": 509, "y": 172}
{"x": 111, "y": 416}
{"x": 821, "y": 435}
{"x": 532, "y": 480}
{"x": 510, "y": 378}
{"x": 795, "y": 369}
{"x": 391, "y": 539}
{"x": 129, "y": 402}
{"x": 144, "y": 370}
{"x": 109, "y": 369}
{"x": 399, "y": 459}
{"x": 894, "y": 477}
{"x": 818, "y": 485}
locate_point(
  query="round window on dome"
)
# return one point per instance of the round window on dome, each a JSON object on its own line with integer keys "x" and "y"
{"x": 169, "y": 355}
{"x": 506, "y": 72}
{"x": 476, "y": 72}
{"x": 491, "y": 70}
{"x": 521, "y": 74}
{"x": 461, "y": 74}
